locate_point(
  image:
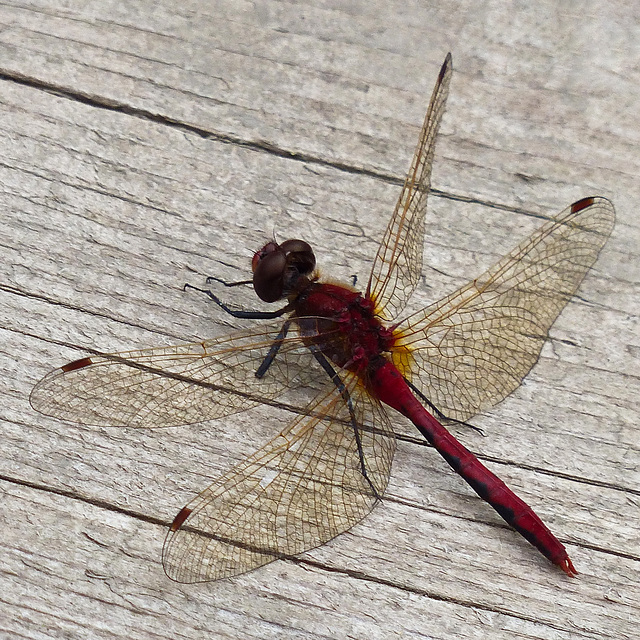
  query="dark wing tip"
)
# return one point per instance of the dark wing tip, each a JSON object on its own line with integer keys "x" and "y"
{"x": 448, "y": 62}
{"x": 178, "y": 521}
{"x": 582, "y": 204}
{"x": 77, "y": 364}
{"x": 601, "y": 201}
{"x": 40, "y": 397}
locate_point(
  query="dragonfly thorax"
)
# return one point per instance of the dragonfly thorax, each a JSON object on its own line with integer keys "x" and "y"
{"x": 343, "y": 324}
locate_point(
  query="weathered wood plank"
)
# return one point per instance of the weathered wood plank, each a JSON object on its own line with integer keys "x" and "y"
{"x": 108, "y": 209}
{"x": 108, "y": 593}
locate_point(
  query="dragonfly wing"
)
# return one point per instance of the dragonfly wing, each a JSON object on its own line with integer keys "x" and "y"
{"x": 297, "y": 492}
{"x": 183, "y": 384}
{"x": 472, "y": 349}
{"x": 398, "y": 264}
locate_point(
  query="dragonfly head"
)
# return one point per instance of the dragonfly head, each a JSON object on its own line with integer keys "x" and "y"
{"x": 278, "y": 268}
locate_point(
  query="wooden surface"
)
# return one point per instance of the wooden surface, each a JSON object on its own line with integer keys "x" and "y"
{"x": 149, "y": 145}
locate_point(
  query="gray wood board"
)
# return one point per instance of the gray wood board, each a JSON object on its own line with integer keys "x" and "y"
{"x": 148, "y": 146}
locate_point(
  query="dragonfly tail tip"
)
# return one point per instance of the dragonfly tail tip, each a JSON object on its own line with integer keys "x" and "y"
{"x": 567, "y": 566}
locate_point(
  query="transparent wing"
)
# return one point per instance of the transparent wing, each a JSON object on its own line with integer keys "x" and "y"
{"x": 297, "y": 492}
{"x": 398, "y": 264}
{"x": 473, "y": 348}
{"x": 183, "y": 384}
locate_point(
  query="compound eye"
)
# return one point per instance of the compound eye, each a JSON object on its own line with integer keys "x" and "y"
{"x": 299, "y": 256}
{"x": 295, "y": 245}
{"x": 268, "y": 275}
{"x": 268, "y": 248}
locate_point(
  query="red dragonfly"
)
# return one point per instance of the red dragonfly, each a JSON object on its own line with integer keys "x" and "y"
{"x": 330, "y": 465}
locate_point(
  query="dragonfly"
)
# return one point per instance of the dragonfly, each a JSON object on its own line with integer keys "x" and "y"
{"x": 330, "y": 465}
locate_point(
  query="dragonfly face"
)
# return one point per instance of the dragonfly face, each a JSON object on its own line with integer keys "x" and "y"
{"x": 279, "y": 270}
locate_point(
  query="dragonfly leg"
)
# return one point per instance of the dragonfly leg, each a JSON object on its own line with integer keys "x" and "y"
{"x": 441, "y": 416}
{"x": 239, "y": 313}
{"x": 333, "y": 374}
{"x": 211, "y": 279}
{"x": 273, "y": 351}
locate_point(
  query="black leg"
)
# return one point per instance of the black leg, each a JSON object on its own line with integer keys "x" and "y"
{"x": 240, "y": 313}
{"x": 324, "y": 363}
{"x": 211, "y": 279}
{"x": 273, "y": 351}
{"x": 439, "y": 413}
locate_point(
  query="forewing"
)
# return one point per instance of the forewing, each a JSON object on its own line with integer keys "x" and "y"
{"x": 473, "y": 348}
{"x": 398, "y": 264}
{"x": 297, "y": 492}
{"x": 174, "y": 385}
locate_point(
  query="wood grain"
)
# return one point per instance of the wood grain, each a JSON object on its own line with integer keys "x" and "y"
{"x": 147, "y": 146}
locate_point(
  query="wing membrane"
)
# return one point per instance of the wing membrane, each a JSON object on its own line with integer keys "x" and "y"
{"x": 297, "y": 492}
{"x": 398, "y": 264}
{"x": 473, "y": 348}
{"x": 183, "y": 384}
